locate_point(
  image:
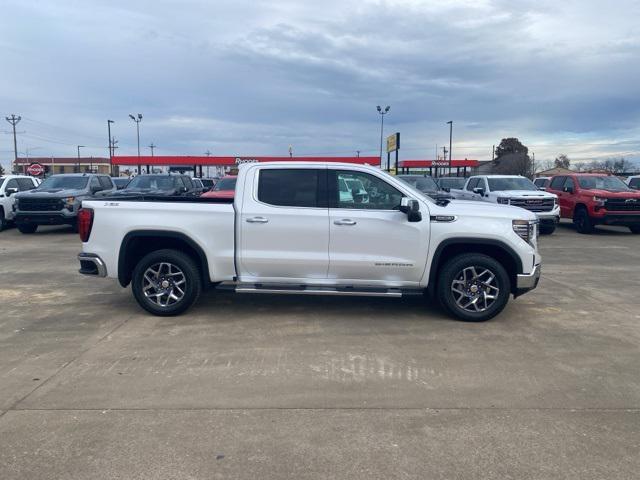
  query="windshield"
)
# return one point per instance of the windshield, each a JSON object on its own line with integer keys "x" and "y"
{"x": 424, "y": 184}
{"x": 510, "y": 183}
{"x": 228, "y": 183}
{"x": 67, "y": 183}
{"x": 454, "y": 182}
{"x": 613, "y": 184}
{"x": 152, "y": 182}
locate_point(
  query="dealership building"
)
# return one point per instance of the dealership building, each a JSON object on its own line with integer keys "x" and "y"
{"x": 53, "y": 165}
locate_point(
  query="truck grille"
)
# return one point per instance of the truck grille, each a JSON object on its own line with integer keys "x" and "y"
{"x": 40, "y": 204}
{"x": 533, "y": 204}
{"x": 622, "y": 204}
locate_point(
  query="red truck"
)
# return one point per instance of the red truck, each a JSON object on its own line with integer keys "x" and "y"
{"x": 591, "y": 199}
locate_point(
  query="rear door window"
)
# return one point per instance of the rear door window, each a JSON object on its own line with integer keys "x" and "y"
{"x": 105, "y": 182}
{"x": 556, "y": 183}
{"x": 289, "y": 187}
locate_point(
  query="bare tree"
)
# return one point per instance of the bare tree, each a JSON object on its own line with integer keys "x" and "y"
{"x": 562, "y": 161}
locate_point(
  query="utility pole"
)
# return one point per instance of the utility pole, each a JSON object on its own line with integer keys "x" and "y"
{"x": 109, "y": 122}
{"x": 493, "y": 153}
{"x": 152, "y": 146}
{"x": 358, "y": 153}
{"x": 290, "y": 151}
{"x": 14, "y": 120}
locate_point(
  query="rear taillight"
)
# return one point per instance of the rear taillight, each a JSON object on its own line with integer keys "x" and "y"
{"x": 85, "y": 222}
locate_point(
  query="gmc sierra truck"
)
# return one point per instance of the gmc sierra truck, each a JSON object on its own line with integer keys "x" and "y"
{"x": 513, "y": 190}
{"x": 288, "y": 230}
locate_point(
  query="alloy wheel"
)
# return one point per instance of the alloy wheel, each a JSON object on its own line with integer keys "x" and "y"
{"x": 164, "y": 284}
{"x": 475, "y": 289}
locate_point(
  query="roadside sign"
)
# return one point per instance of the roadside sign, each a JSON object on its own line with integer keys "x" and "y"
{"x": 393, "y": 142}
{"x": 35, "y": 169}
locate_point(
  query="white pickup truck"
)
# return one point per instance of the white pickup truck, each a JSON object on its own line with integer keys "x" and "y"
{"x": 289, "y": 230}
{"x": 513, "y": 190}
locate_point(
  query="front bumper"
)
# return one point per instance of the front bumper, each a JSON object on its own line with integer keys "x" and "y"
{"x": 550, "y": 217}
{"x": 92, "y": 265}
{"x": 45, "y": 218}
{"x": 527, "y": 281}
{"x": 620, "y": 219}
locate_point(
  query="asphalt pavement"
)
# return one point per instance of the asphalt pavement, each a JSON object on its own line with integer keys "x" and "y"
{"x": 270, "y": 387}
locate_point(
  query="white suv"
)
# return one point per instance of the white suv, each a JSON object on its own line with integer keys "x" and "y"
{"x": 9, "y": 186}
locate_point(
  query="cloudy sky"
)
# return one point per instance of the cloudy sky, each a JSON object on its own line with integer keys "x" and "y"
{"x": 246, "y": 77}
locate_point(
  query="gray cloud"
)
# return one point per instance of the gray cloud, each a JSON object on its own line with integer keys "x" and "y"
{"x": 243, "y": 78}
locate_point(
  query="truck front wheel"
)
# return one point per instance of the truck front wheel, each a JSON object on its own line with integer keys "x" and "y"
{"x": 582, "y": 221}
{"x": 473, "y": 287}
{"x": 27, "y": 227}
{"x": 166, "y": 282}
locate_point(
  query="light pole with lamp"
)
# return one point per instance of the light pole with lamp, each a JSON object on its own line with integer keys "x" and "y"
{"x": 109, "y": 122}
{"x": 450, "y": 122}
{"x": 79, "y": 147}
{"x": 382, "y": 114}
{"x": 137, "y": 119}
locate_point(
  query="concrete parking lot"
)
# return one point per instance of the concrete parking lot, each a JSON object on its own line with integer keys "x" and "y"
{"x": 302, "y": 387}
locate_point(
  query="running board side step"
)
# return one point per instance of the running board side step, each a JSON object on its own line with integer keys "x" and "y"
{"x": 321, "y": 290}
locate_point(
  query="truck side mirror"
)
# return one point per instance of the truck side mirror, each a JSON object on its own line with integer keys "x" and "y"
{"x": 479, "y": 191}
{"x": 568, "y": 189}
{"x": 10, "y": 191}
{"x": 411, "y": 207}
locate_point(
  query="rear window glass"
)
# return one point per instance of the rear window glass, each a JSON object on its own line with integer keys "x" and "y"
{"x": 289, "y": 187}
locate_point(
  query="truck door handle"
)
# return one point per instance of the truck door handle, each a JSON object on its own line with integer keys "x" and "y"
{"x": 257, "y": 220}
{"x": 345, "y": 221}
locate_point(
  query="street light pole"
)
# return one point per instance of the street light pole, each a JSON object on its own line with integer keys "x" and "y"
{"x": 382, "y": 114}
{"x": 450, "y": 122}
{"x": 79, "y": 147}
{"x": 109, "y": 122}
{"x": 137, "y": 119}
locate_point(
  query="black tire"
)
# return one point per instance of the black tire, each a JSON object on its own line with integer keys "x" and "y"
{"x": 635, "y": 229}
{"x": 582, "y": 221}
{"x": 27, "y": 227}
{"x": 3, "y": 221}
{"x": 451, "y": 271}
{"x": 181, "y": 262}
{"x": 547, "y": 229}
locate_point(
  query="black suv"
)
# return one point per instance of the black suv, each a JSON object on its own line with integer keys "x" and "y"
{"x": 57, "y": 199}
{"x": 160, "y": 185}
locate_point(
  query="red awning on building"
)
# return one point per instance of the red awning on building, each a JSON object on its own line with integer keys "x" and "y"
{"x": 175, "y": 160}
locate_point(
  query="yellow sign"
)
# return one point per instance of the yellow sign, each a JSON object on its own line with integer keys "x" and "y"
{"x": 393, "y": 142}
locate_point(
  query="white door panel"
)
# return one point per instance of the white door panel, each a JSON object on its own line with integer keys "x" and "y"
{"x": 376, "y": 246}
{"x": 292, "y": 242}
{"x": 282, "y": 242}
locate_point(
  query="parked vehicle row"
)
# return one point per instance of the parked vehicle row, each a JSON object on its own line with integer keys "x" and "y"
{"x": 293, "y": 228}
{"x": 427, "y": 185}
{"x": 516, "y": 191}
{"x": 28, "y": 203}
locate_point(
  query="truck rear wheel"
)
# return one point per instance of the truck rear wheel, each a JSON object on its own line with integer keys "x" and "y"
{"x": 473, "y": 287}
{"x": 27, "y": 227}
{"x": 166, "y": 282}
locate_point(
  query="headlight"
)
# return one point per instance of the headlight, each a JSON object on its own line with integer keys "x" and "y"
{"x": 526, "y": 229}
{"x": 599, "y": 201}
{"x": 68, "y": 202}
{"x": 503, "y": 200}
